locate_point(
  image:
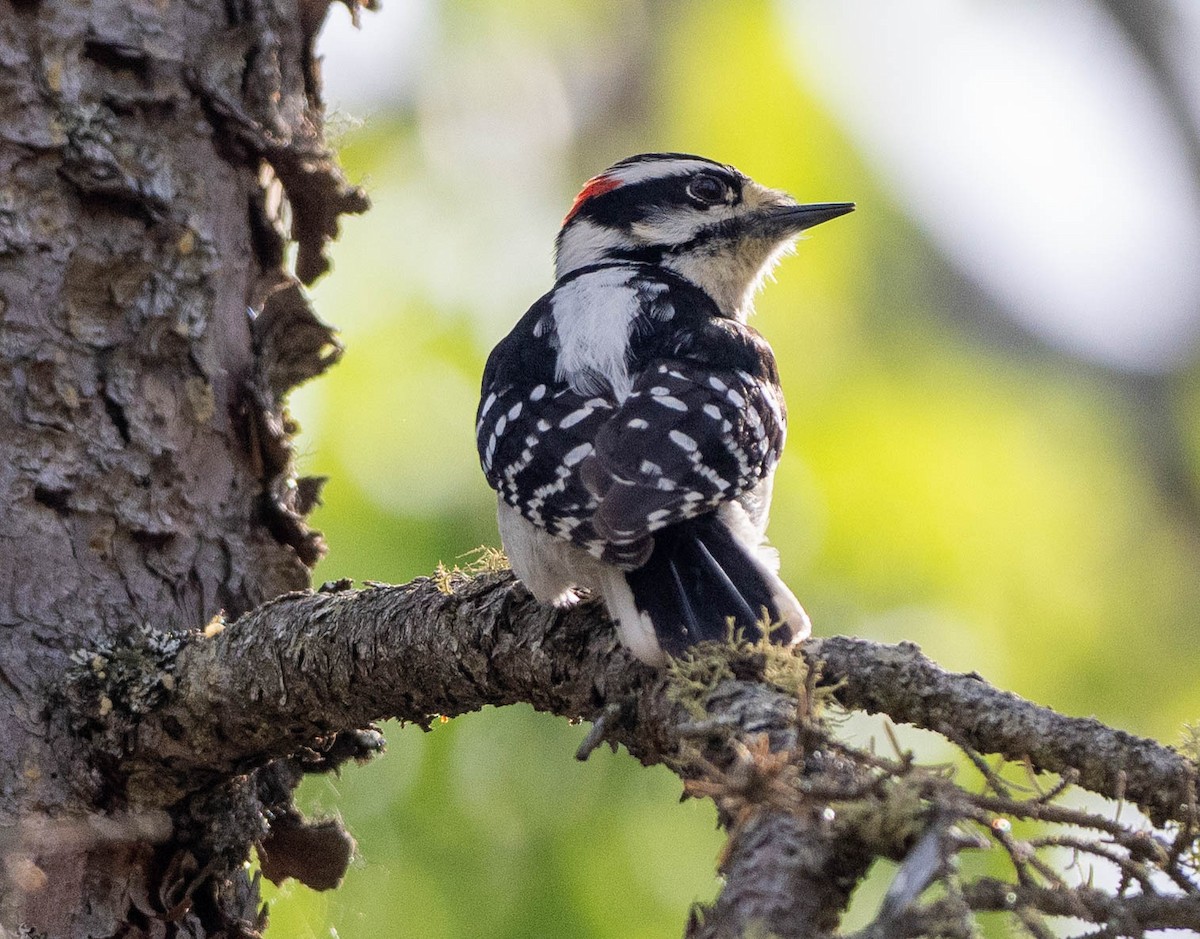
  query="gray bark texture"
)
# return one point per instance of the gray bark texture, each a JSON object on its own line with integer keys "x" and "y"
{"x": 148, "y": 334}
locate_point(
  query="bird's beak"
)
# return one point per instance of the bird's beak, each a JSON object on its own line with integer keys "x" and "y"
{"x": 785, "y": 221}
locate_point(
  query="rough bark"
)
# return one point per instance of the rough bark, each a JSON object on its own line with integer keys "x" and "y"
{"x": 145, "y": 468}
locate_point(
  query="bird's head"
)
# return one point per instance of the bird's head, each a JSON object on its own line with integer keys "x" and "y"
{"x": 703, "y": 220}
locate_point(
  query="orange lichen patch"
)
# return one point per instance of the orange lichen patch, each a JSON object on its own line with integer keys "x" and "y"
{"x": 596, "y": 186}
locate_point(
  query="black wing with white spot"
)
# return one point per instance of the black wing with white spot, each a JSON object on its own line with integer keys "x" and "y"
{"x": 700, "y": 425}
{"x": 533, "y": 432}
{"x": 693, "y": 433}
{"x": 532, "y": 453}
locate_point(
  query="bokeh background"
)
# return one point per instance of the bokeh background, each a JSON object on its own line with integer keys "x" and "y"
{"x": 991, "y": 370}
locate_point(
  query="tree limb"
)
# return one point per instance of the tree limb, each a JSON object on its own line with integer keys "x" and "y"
{"x": 298, "y": 670}
{"x": 308, "y": 665}
{"x": 295, "y": 675}
{"x": 901, "y": 682}
{"x": 1134, "y": 914}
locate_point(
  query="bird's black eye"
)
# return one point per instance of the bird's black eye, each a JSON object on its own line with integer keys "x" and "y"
{"x": 707, "y": 190}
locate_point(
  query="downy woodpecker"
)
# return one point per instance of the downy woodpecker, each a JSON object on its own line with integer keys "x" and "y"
{"x": 631, "y": 421}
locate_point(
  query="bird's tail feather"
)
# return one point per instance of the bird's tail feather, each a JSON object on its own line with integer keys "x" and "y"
{"x": 700, "y": 578}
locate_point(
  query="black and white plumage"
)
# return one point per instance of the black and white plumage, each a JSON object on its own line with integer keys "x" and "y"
{"x": 631, "y": 421}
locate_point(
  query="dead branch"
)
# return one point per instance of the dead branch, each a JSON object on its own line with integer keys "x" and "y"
{"x": 901, "y": 682}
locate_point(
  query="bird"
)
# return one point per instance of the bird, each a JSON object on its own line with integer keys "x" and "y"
{"x": 631, "y": 422}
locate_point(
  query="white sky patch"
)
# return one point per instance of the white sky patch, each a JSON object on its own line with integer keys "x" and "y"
{"x": 378, "y": 64}
{"x": 1026, "y": 138}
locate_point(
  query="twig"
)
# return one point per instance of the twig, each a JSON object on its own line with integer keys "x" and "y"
{"x": 901, "y": 682}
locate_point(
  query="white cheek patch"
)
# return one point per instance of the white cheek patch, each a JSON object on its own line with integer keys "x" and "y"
{"x": 678, "y": 226}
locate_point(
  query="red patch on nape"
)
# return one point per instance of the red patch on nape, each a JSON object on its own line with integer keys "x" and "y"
{"x": 596, "y": 186}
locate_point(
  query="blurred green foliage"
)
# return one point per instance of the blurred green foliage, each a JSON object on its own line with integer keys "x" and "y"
{"x": 991, "y": 503}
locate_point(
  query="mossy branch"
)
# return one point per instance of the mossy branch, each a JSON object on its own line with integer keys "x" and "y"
{"x": 741, "y": 724}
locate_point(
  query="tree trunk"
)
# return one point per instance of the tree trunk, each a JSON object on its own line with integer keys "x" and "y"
{"x": 145, "y": 467}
